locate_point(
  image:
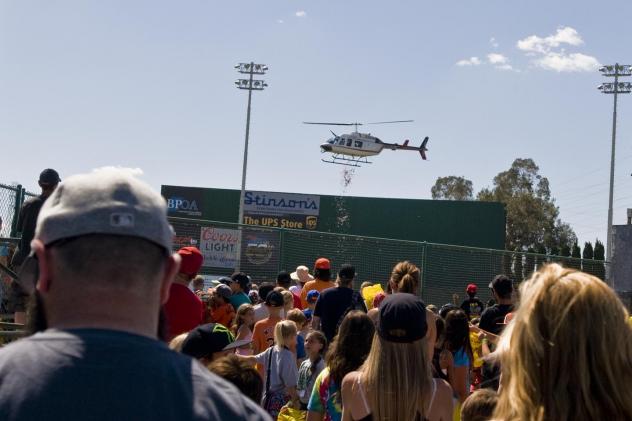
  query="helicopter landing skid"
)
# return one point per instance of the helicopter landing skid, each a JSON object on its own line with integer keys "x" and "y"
{"x": 349, "y": 161}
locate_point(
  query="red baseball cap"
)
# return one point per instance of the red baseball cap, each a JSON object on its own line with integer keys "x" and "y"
{"x": 471, "y": 289}
{"x": 191, "y": 260}
{"x": 322, "y": 263}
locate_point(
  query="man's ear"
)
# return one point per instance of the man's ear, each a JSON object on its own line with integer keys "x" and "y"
{"x": 44, "y": 265}
{"x": 172, "y": 266}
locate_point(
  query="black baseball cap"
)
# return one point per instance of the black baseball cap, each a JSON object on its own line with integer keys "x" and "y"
{"x": 49, "y": 176}
{"x": 207, "y": 339}
{"x": 274, "y": 299}
{"x": 284, "y": 278}
{"x": 502, "y": 285}
{"x": 402, "y": 318}
{"x": 347, "y": 272}
{"x": 241, "y": 278}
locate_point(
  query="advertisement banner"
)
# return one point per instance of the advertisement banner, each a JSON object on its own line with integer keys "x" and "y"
{"x": 261, "y": 251}
{"x": 281, "y": 210}
{"x": 220, "y": 247}
{"x": 183, "y": 202}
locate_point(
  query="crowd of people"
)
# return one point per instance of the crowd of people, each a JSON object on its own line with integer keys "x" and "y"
{"x": 123, "y": 328}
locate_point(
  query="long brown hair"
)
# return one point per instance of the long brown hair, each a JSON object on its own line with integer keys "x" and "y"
{"x": 405, "y": 278}
{"x": 567, "y": 353}
{"x": 397, "y": 378}
{"x": 239, "y": 317}
{"x": 351, "y": 345}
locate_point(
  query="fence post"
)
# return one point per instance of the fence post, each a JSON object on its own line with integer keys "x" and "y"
{"x": 17, "y": 205}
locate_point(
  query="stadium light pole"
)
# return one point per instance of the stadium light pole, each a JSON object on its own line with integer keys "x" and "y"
{"x": 617, "y": 70}
{"x": 250, "y": 85}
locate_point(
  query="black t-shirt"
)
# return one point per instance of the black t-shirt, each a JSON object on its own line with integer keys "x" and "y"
{"x": 27, "y": 221}
{"x": 332, "y": 304}
{"x": 94, "y": 374}
{"x": 473, "y": 307}
{"x": 493, "y": 317}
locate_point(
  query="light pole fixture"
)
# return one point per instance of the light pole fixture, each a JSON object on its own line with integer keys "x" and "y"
{"x": 617, "y": 70}
{"x": 250, "y": 85}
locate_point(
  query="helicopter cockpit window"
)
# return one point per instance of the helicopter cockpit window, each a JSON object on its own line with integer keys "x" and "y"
{"x": 331, "y": 141}
{"x": 341, "y": 142}
{"x": 357, "y": 143}
{"x": 349, "y": 141}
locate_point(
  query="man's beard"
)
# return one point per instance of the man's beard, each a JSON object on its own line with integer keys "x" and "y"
{"x": 36, "y": 320}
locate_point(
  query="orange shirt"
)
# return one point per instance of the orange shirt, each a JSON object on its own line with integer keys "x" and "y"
{"x": 223, "y": 314}
{"x": 318, "y": 285}
{"x": 263, "y": 337}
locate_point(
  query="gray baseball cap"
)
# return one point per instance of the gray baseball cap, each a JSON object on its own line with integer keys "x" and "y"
{"x": 108, "y": 201}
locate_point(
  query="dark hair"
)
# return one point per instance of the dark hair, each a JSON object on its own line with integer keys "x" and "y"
{"x": 239, "y": 373}
{"x": 264, "y": 290}
{"x": 457, "y": 332}
{"x": 322, "y": 274}
{"x": 445, "y": 309}
{"x": 284, "y": 279}
{"x": 440, "y": 324}
{"x": 479, "y": 406}
{"x": 351, "y": 345}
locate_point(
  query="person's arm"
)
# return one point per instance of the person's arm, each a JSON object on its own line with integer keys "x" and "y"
{"x": 315, "y": 416}
{"x": 444, "y": 401}
{"x": 315, "y": 322}
{"x": 318, "y": 310}
{"x": 431, "y": 333}
{"x": 256, "y": 339}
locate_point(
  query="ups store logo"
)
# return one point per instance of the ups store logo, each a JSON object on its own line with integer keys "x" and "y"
{"x": 311, "y": 222}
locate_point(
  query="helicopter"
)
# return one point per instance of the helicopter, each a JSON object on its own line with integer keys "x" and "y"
{"x": 353, "y": 149}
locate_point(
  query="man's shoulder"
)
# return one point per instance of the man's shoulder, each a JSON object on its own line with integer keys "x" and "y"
{"x": 33, "y": 201}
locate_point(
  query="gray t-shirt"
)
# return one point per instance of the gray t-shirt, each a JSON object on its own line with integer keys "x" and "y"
{"x": 94, "y": 374}
{"x": 307, "y": 377}
{"x": 283, "y": 370}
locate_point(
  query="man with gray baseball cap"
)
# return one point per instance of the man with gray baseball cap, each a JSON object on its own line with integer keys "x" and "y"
{"x": 103, "y": 248}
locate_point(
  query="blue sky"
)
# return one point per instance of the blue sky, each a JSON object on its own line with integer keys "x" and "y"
{"x": 149, "y": 85}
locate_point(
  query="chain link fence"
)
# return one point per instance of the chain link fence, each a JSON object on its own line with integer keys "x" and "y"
{"x": 446, "y": 269}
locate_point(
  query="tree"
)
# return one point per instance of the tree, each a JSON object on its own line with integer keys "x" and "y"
{"x": 599, "y": 254}
{"x": 540, "y": 259}
{"x": 518, "y": 267}
{"x": 587, "y": 256}
{"x": 452, "y": 188}
{"x": 576, "y": 254}
{"x": 529, "y": 262}
{"x": 532, "y": 216}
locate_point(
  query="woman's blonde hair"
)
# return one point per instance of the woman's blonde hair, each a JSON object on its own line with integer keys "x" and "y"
{"x": 287, "y": 297}
{"x": 398, "y": 379}
{"x": 176, "y": 343}
{"x": 284, "y": 332}
{"x": 239, "y": 317}
{"x": 405, "y": 278}
{"x": 567, "y": 354}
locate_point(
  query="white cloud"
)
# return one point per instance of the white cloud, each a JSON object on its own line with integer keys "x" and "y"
{"x": 493, "y": 42}
{"x": 472, "y": 61}
{"x": 136, "y": 172}
{"x": 280, "y": 21}
{"x": 495, "y": 58}
{"x": 505, "y": 67}
{"x": 550, "y": 55}
{"x": 301, "y": 13}
{"x": 562, "y": 62}
{"x": 536, "y": 44}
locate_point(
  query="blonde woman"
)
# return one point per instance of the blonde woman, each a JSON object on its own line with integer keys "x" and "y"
{"x": 567, "y": 353}
{"x": 242, "y": 327}
{"x": 280, "y": 371}
{"x": 395, "y": 382}
{"x": 406, "y": 277}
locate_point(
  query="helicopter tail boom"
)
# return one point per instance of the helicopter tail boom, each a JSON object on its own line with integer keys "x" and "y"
{"x": 421, "y": 149}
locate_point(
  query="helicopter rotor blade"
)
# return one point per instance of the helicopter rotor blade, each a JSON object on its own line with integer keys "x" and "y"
{"x": 389, "y": 122}
{"x": 332, "y": 124}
